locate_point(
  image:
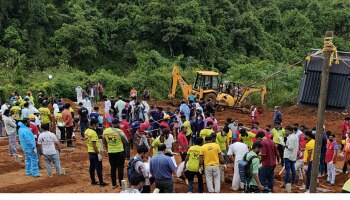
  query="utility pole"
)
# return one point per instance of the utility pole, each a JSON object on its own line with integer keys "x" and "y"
{"x": 322, "y": 102}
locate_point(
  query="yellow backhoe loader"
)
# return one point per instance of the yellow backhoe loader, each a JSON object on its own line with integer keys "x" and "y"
{"x": 207, "y": 86}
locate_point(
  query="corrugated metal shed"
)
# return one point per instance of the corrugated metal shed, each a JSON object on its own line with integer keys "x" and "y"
{"x": 339, "y": 83}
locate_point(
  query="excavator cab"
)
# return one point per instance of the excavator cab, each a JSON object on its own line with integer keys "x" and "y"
{"x": 206, "y": 85}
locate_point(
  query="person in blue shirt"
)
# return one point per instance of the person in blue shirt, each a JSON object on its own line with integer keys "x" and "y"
{"x": 172, "y": 117}
{"x": 192, "y": 97}
{"x": 185, "y": 109}
{"x": 96, "y": 116}
{"x": 157, "y": 115}
{"x": 27, "y": 141}
{"x": 196, "y": 125}
{"x": 134, "y": 126}
{"x": 162, "y": 169}
{"x": 277, "y": 116}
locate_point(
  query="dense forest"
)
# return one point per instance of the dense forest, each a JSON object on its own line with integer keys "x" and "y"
{"x": 135, "y": 43}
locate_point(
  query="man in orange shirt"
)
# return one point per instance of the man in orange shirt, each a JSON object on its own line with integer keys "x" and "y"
{"x": 346, "y": 151}
{"x": 133, "y": 92}
{"x": 68, "y": 123}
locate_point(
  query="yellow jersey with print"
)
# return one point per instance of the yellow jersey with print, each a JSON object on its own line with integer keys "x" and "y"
{"x": 155, "y": 145}
{"x": 193, "y": 159}
{"x": 210, "y": 151}
{"x": 187, "y": 124}
{"x": 16, "y": 110}
{"x": 45, "y": 115}
{"x": 91, "y": 136}
{"x": 114, "y": 140}
{"x": 309, "y": 146}
{"x": 59, "y": 120}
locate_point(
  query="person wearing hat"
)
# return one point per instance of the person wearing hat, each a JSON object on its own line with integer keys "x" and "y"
{"x": 16, "y": 113}
{"x": 113, "y": 139}
{"x": 165, "y": 122}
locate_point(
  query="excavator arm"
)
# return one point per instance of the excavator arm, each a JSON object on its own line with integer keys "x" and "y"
{"x": 177, "y": 79}
{"x": 249, "y": 91}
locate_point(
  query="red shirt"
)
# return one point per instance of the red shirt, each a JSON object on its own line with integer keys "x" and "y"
{"x": 108, "y": 120}
{"x": 165, "y": 124}
{"x": 302, "y": 141}
{"x": 261, "y": 130}
{"x": 344, "y": 126}
{"x": 35, "y": 131}
{"x": 125, "y": 127}
{"x": 182, "y": 140}
{"x": 270, "y": 151}
{"x": 331, "y": 147}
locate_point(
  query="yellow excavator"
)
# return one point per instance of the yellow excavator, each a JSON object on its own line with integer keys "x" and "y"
{"x": 207, "y": 86}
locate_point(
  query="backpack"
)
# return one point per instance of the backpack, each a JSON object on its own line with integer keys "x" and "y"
{"x": 132, "y": 173}
{"x": 244, "y": 169}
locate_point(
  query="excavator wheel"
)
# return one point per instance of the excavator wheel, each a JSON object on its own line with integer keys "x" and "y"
{"x": 220, "y": 108}
{"x": 211, "y": 96}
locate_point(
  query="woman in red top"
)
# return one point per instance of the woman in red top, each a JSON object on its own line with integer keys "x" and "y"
{"x": 183, "y": 143}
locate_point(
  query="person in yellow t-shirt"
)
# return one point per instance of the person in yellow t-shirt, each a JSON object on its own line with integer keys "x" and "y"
{"x": 207, "y": 131}
{"x": 95, "y": 157}
{"x": 160, "y": 139}
{"x": 187, "y": 124}
{"x": 60, "y": 124}
{"x": 113, "y": 140}
{"x": 191, "y": 164}
{"x": 246, "y": 137}
{"x": 210, "y": 156}
{"x": 221, "y": 140}
{"x": 45, "y": 114}
{"x": 16, "y": 112}
{"x": 308, "y": 156}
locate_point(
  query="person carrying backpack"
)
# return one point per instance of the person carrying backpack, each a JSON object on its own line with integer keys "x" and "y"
{"x": 137, "y": 169}
{"x": 249, "y": 170}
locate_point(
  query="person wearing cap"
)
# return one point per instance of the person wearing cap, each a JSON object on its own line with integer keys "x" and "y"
{"x": 185, "y": 109}
{"x": 165, "y": 122}
{"x": 10, "y": 128}
{"x": 210, "y": 157}
{"x": 95, "y": 157}
{"x": 113, "y": 139}
{"x": 162, "y": 169}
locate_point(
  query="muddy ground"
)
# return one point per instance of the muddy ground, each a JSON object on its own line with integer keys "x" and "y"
{"x": 76, "y": 162}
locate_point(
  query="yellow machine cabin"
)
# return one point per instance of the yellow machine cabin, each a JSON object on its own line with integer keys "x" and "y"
{"x": 205, "y": 86}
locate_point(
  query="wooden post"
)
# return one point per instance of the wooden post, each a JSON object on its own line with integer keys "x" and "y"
{"x": 322, "y": 102}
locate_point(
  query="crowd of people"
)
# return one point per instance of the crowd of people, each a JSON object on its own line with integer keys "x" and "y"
{"x": 206, "y": 149}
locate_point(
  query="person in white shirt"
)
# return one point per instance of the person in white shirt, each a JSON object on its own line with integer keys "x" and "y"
{"x": 169, "y": 140}
{"x": 107, "y": 104}
{"x": 79, "y": 92}
{"x": 236, "y": 151}
{"x": 48, "y": 143}
{"x": 146, "y": 109}
{"x": 120, "y": 105}
{"x": 87, "y": 103}
{"x": 290, "y": 154}
{"x": 11, "y": 128}
{"x": 4, "y": 107}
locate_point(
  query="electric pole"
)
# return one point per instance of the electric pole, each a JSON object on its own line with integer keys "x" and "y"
{"x": 322, "y": 102}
